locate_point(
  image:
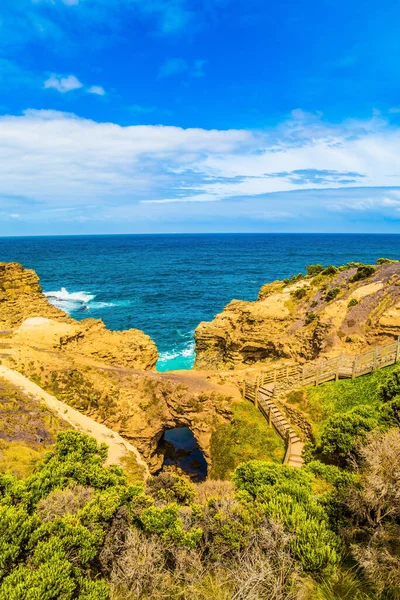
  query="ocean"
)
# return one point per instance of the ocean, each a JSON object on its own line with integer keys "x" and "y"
{"x": 167, "y": 284}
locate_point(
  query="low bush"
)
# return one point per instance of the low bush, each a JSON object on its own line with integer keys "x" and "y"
{"x": 363, "y": 272}
{"x": 343, "y": 433}
{"x": 313, "y": 270}
{"x": 293, "y": 279}
{"x": 384, "y": 261}
{"x": 299, "y": 293}
{"x": 330, "y": 270}
{"x": 310, "y": 317}
{"x": 331, "y": 294}
{"x": 352, "y": 302}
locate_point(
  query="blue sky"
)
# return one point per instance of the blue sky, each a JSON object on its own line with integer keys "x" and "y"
{"x": 121, "y": 116}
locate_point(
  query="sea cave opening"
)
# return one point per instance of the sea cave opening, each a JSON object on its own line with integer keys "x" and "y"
{"x": 181, "y": 449}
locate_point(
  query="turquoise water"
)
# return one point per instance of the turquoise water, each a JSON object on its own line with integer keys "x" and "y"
{"x": 166, "y": 284}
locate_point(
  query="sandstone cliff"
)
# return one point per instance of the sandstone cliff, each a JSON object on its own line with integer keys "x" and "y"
{"x": 21, "y": 297}
{"x": 105, "y": 374}
{"x": 32, "y": 320}
{"x": 337, "y": 310}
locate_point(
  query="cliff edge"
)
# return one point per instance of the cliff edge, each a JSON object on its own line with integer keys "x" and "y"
{"x": 30, "y": 319}
{"x": 328, "y": 311}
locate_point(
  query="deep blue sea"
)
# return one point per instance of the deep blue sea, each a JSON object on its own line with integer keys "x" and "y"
{"x": 166, "y": 284}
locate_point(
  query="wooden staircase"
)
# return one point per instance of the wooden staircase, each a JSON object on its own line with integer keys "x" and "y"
{"x": 276, "y": 418}
{"x": 262, "y": 390}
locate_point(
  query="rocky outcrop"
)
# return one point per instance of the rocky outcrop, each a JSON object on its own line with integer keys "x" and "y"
{"x": 341, "y": 310}
{"x": 26, "y": 312}
{"x": 21, "y": 297}
{"x": 107, "y": 375}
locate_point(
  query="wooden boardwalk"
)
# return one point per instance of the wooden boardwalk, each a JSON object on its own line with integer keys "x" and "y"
{"x": 263, "y": 389}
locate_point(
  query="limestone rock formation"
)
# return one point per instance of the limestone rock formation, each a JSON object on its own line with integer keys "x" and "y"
{"x": 32, "y": 320}
{"x": 341, "y": 310}
{"x": 107, "y": 375}
{"x": 21, "y": 297}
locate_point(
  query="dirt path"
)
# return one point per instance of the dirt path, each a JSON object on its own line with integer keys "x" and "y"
{"x": 118, "y": 448}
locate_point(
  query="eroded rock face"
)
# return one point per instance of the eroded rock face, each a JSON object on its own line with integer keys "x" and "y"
{"x": 21, "y": 297}
{"x": 34, "y": 321}
{"x": 304, "y": 320}
{"x": 105, "y": 374}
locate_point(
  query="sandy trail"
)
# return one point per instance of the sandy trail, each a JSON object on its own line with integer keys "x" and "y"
{"x": 118, "y": 448}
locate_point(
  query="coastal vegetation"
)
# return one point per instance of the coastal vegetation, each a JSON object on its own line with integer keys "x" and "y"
{"x": 75, "y": 527}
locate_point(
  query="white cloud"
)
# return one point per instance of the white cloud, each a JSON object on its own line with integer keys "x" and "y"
{"x": 70, "y": 83}
{"x": 96, "y": 89}
{"x": 63, "y": 84}
{"x": 52, "y": 162}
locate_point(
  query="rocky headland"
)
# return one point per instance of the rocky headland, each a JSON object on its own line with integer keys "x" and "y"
{"x": 110, "y": 376}
{"x": 107, "y": 375}
{"x": 329, "y": 311}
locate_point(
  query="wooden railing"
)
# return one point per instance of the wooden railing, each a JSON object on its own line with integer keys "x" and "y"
{"x": 262, "y": 389}
{"x": 339, "y": 367}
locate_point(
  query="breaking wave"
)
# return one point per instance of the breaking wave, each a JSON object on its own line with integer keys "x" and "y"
{"x": 180, "y": 357}
{"x": 77, "y": 301}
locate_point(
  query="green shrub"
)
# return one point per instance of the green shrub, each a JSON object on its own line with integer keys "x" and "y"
{"x": 313, "y": 270}
{"x": 293, "y": 279}
{"x": 384, "y": 261}
{"x": 352, "y": 302}
{"x": 286, "y": 495}
{"x": 299, "y": 293}
{"x": 330, "y": 270}
{"x": 343, "y": 432}
{"x": 390, "y": 387}
{"x": 331, "y": 295}
{"x": 310, "y": 317}
{"x": 363, "y": 272}
{"x": 170, "y": 487}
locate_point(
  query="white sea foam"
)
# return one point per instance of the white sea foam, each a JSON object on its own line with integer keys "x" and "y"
{"x": 69, "y": 302}
{"x": 64, "y": 296}
{"x": 187, "y": 351}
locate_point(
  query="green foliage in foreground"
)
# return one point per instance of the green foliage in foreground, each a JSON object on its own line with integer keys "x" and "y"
{"x": 63, "y": 529}
{"x": 246, "y": 437}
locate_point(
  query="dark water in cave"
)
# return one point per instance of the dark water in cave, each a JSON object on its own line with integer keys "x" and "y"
{"x": 182, "y": 451}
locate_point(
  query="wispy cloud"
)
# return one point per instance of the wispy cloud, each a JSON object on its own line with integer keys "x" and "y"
{"x": 71, "y": 83}
{"x": 97, "y": 90}
{"x": 300, "y": 169}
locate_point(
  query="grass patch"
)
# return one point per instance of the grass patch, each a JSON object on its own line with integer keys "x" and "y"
{"x": 321, "y": 402}
{"x": 20, "y": 460}
{"x": 134, "y": 471}
{"x": 247, "y": 437}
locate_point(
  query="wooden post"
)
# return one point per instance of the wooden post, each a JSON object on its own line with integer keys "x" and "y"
{"x": 256, "y": 393}
{"x": 375, "y": 365}
{"x": 337, "y": 367}
{"x": 354, "y": 367}
{"x": 398, "y": 349}
{"x": 270, "y": 416}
